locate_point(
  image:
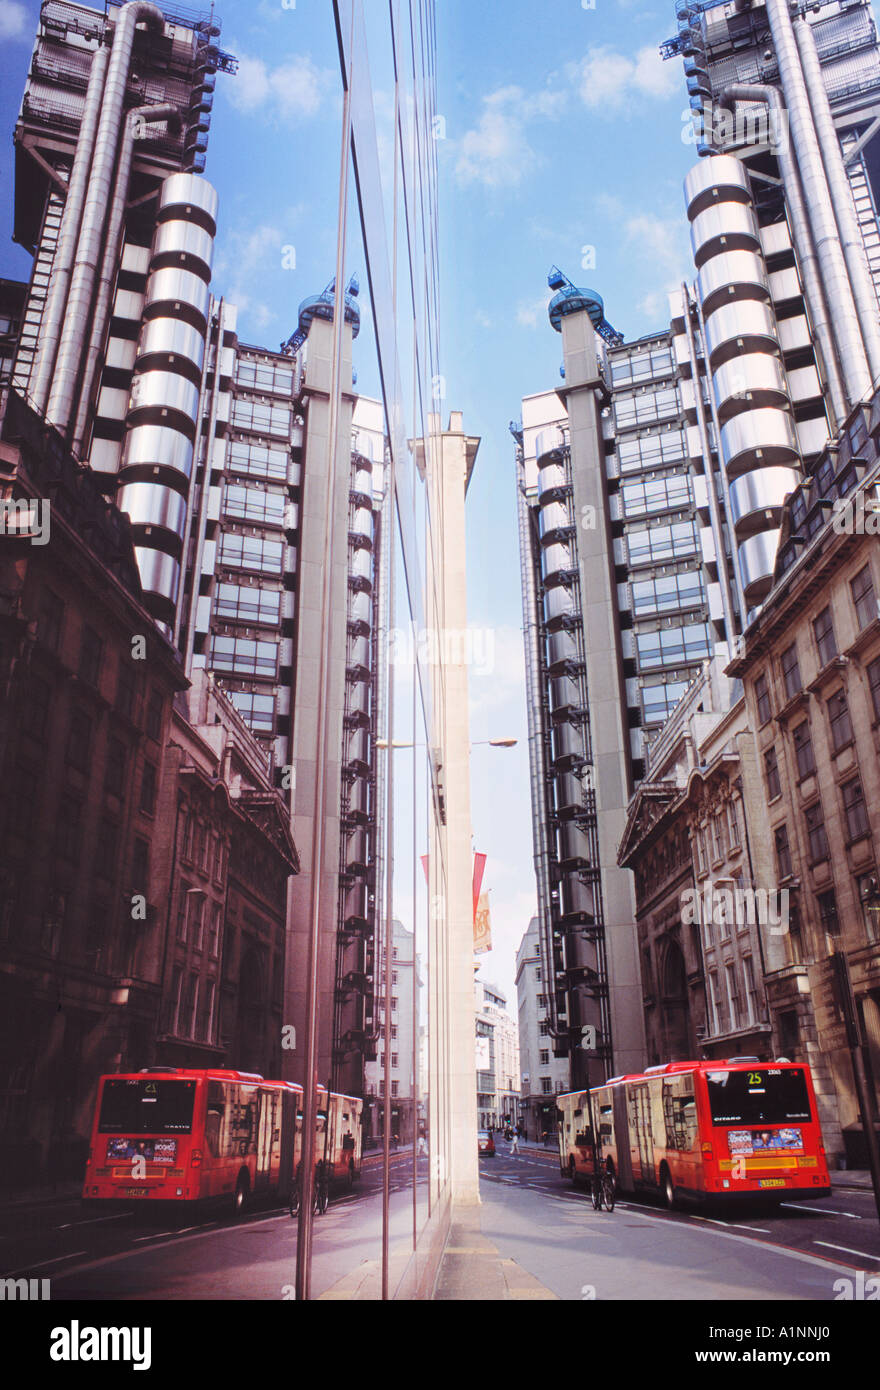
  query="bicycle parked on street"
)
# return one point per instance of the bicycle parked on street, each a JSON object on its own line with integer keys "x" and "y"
{"x": 320, "y": 1192}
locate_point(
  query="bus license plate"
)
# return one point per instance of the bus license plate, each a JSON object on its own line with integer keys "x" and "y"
{"x": 772, "y": 1182}
{"x": 137, "y": 1192}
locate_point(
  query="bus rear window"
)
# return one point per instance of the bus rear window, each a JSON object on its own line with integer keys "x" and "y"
{"x": 765, "y": 1096}
{"x": 144, "y": 1106}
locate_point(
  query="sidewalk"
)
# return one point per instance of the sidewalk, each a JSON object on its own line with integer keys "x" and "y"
{"x": 471, "y": 1268}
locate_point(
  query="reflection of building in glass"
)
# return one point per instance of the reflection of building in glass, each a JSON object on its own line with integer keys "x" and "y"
{"x": 497, "y": 1058}
{"x": 405, "y": 977}
{"x": 543, "y": 1076}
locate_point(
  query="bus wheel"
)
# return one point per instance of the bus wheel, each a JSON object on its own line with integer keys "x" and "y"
{"x": 240, "y": 1198}
{"x": 669, "y": 1198}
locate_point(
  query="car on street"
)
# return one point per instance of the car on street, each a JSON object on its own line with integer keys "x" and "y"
{"x": 485, "y": 1143}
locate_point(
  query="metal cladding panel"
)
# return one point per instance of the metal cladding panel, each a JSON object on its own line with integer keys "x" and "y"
{"x": 561, "y": 648}
{"x": 172, "y": 336}
{"x": 552, "y": 475}
{"x": 159, "y": 572}
{"x": 359, "y": 797}
{"x": 187, "y": 240}
{"x": 568, "y": 792}
{"x": 727, "y": 227}
{"x": 171, "y": 286}
{"x": 360, "y": 565}
{"x": 358, "y": 651}
{"x": 362, "y": 479}
{"x": 360, "y": 608}
{"x": 718, "y": 179}
{"x": 757, "y": 560}
{"x": 189, "y": 190}
{"x": 572, "y": 842}
{"x": 736, "y": 329}
{"x": 357, "y": 747}
{"x": 556, "y": 559}
{"x": 164, "y": 390}
{"x": 758, "y": 438}
{"x": 567, "y": 741}
{"x": 151, "y": 504}
{"x": 564, "y": 693}
{"x": 755, "y": 494}
{"x": 576, "y": 896}
{"x": 361, "y": 523}
{"x": 732, "y": 276}
{"x": 552, "y": 517}
{"x": 359, "y": 699}
{"x": 157, "y": 444}
{"x": 558, "y": 604}
{"x": 749, "y": 382}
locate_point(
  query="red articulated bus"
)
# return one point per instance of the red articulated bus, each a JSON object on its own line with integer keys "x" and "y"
{"x": 700, "y": 1131}
{"x": 170, "y": 1134}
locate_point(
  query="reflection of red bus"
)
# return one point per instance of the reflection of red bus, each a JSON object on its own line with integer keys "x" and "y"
{"x": 171, "y": 1134}
{"x": 699, "y": 1130}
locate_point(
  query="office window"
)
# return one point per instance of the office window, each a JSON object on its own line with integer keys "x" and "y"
{"x": 864, "y": 598}
{"x": 544, "y": 1028}
{"x": 546, "y": 1086}
{"x": 248, "y": 605}
{"x": 127, "y": 689}
{"x": 206, "y": 1012}
{"x": 656, "y": 495}
{"x": 257, "y": 460}
{"x": 263, "y": 376}
{"x": 874, "y": 685}
{"x": 783, "y": 851}
{"x": 544, "y": 1056}
{"x": 752, "y": 1000}
{"x": 659, "y": 543}
{"x": 395, "y": 1088}
{"x": 770, "y": 772}
{"x": 791, "y": 671}
{"x": 79, "y": 740}
{"x": 826, "y": 642}
{"x": 803, "y": 750}
{"x": 148, "y": 789}
{"x": 245, "y": 657}
{"x": 668, "y": 593}
{"x": 114, "y": 776}
{"x": 140, "y": 866}
{"x": 839, "y": 721}
{"x": 719, "y": 836}
{"x": 814, "y": 820}
{"x": 542, "y": 1001}
{"x": 50, "y": 620}
{"x": 732, "y": 994}
{"x": 733, "y": 823}
{"x": 153, "y": 722}
{"x": 827, "y": 904}
{"x": 261, "y": 417}
{"x": 674, "y": 646}
{"x": 855, "y": 810}
{"x": 90, "y": 651}
{"x": 869, "y": 897}
{"x": 257, "y": 710}
{"x": 251, "y": 553}
{"x": 762, "y": 698}
{"x": 254, "y": 505}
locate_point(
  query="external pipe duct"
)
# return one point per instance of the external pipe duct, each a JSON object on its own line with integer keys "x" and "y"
{"x": 803, "y": 243}
{"x": 100, "y": 181}
{"x": 59, "y": 286}
{"x": 841, "y": 197}
{"x": 853, "y": 359}
{"x": 142, "y": 115}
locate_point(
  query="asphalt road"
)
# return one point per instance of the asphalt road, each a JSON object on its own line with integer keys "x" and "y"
{"x": 642, "y": 1251}
{"x": 530, "y": 1212}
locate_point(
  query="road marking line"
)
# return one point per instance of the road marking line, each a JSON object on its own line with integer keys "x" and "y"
{"x": 865, "y": 1254}
{"x": 91, "y": 1221}
{"x": 825, "y": 1211}
{"x": 45, "y": 1263}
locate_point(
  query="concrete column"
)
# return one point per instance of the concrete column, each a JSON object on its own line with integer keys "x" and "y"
{"x": 305, "y": 703}
{"x": 449, "y": 461}
{"x": 605, "y": 684}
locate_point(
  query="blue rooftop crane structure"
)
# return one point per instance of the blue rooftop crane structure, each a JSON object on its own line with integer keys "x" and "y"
{"x": 320, "y": 306}
{"x": 571, "y": 300}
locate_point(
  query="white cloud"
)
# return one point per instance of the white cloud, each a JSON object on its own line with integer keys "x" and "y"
{"x": 496, "y": 152}
{"x": 295, "y": 89}
{"x": 610, "y": 81}
{"x": 532, "y": 313}
{"x": 659, "y": 240}
{"x": 13, "y": 20}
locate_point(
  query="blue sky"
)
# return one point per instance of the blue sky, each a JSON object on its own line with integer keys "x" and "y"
{"x": 562, "y": 132}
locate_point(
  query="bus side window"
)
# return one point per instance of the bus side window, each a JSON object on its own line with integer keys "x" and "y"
{"x": 212, "y": 1132}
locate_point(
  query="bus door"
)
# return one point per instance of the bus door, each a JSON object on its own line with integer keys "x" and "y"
{"x": 289, "y": 1110}
{"x": 642, "y": 1136}
{"x": 267, "y": 1144}
{"x": 621, "y": 1136}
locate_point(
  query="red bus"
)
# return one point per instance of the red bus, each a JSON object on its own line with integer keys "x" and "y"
{"x": 187, "y": 1136}
{"x": 700, "y": 1131}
